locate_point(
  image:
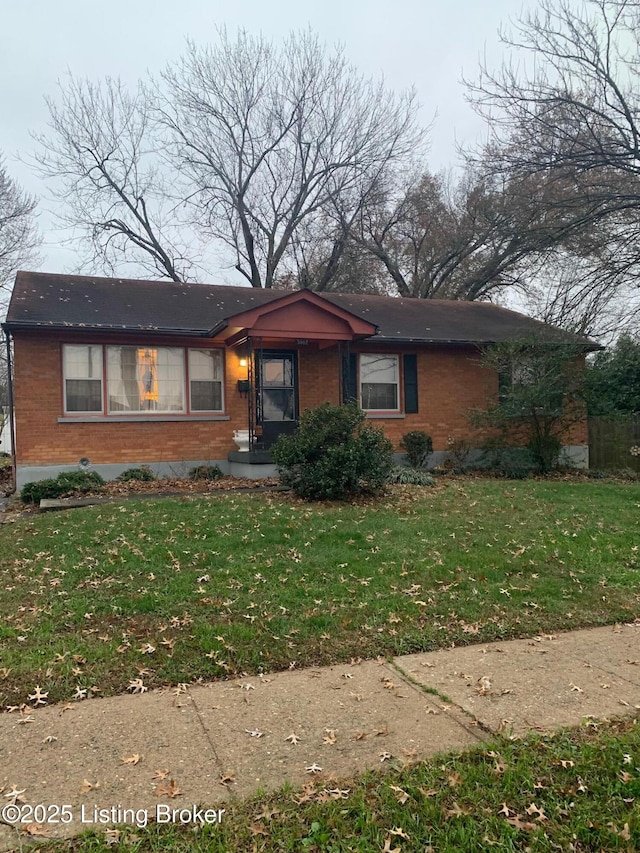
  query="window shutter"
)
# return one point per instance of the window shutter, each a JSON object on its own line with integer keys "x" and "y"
{"x": 410, "y": 370}
{"x": 350, "y": 378}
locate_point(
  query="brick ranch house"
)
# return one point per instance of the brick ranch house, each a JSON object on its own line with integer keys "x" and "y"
{"x": 128, "y": 372}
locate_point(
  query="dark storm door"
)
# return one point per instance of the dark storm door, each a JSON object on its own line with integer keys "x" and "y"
{"x": 277, "y": 394}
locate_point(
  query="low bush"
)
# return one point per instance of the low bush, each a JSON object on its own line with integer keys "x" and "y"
{"x": 205, "y": 472}
{"x": 67, "y": 483}
{"x": 411, "y": 476}
{"x": 418, "y": 446}
{"x": 143, "y": 474}
{"x": 512, "y": 463}
{"x": 458, "y": 450}
{"x": 334, "y": 454}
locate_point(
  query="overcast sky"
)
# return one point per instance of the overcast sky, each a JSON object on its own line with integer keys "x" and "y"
{"x": 426, "y": 43}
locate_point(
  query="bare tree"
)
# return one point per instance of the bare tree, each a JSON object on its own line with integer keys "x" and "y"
{"x": 19, "y": 241}
{"x": 566, "y": 112}
{"x": 468, "y": 238}
{"x": 101, "y": 155}
{"x": 268, "y": 137}
{"x": 19, "y": 238}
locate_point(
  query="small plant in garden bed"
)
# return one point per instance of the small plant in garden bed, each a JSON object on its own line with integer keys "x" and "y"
{"x": 418, "y": 446}
{"x": 512, "y": 463}
{"x": 144, "y": 474}
{"x": 205, "y": 472}
{"x": 410, "y": 477}
{"x": 65, "y": 484}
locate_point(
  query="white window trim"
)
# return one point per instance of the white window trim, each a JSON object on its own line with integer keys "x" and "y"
{"x": 189, "y": 380}
{"x": 104, "y": 415}
{"x": 397, "y": 410}
{"x": 101, "y": 378}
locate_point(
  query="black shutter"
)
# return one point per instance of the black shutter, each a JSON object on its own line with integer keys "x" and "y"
{"x": 410, "y": 370}
{"x": 350, "y": 378}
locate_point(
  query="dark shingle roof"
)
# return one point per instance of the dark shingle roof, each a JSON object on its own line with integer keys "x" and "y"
{"x": 47, "y": 300}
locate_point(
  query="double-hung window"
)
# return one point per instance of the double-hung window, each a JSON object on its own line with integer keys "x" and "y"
{"x": 138, "y": 380}
{"x": 379, "y": 382}
{"x": 205, "y": 380}
{"x": 82, "y": 367}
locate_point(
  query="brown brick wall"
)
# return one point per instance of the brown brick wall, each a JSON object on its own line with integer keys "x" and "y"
{"x": 42, "y": 440}
{"x": 451, "y": 381}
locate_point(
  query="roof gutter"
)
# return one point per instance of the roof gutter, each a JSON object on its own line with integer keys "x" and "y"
{"x": 18, "y": 325}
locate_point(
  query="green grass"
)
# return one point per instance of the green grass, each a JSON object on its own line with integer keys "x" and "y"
{"x": 577, "y": 791}
{"x": 205, "y": 587}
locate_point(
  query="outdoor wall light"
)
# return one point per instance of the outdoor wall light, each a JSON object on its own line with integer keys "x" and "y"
{"x": 243, "y": 384}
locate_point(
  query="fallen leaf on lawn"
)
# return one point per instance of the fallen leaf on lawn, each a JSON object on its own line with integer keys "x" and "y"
{"x": 35, "y": 829}
{"x": 505, "y": 810}
{"x": 254, "y": 733}
{"x": 136, "y": 686}
{"x": 330, "y": 737}
{"x": 131, "y": 759}
{"x": 112, "y": 836}
{"x": 401, "y": 795}
{"x": 258, "y": 829}
{"x": 38, "y": 697}
{"x": 454, "y": 779}
{"x": 87, "y": 786}
{"x": 267, "y": 813}
{"x": 168, "y": 789}
{"x": 433, "y": 792}
{"x": 454, "y": 811}
{"x": 385, "y": 756}
{"x": 313, "y": 768}
{"x": 49, "y": 739}
{"x": 399, "y": 832}
{"x": 518, "y": 823}
{"x": 227, "y": 779}
{"x": 533, "y": 809}
{"x": 293, "y": 738}
{"x": 388, "y": 848}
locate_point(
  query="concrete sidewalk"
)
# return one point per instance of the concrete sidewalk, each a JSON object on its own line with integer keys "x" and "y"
{"x": 207, "y": 744}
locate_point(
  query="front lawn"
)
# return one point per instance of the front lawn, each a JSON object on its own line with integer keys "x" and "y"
{"x": 174, "y": 590}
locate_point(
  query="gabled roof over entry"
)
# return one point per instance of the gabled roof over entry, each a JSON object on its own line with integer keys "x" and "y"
{"x": 302, "y": 314}
{"x": 68, "y": 302}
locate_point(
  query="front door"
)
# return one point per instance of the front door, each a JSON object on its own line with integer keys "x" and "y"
{"x": 277, "y": 394}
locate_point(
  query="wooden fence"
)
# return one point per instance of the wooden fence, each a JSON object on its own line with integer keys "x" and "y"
{"x": 610, "y": 443}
